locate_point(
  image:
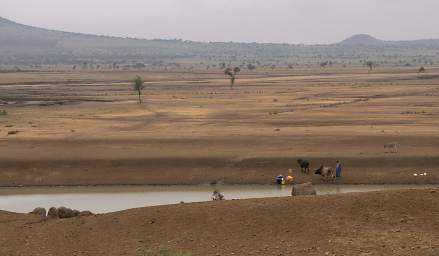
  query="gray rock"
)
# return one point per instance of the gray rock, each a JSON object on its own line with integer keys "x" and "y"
{"x": 39, "y": 211}
{"x": 306, "y": 189}
{"x": 75, "y": 213}
{"x": 85, "y": 214}
{"x": 52, "y": 213}
{"x": 64, "y": 212}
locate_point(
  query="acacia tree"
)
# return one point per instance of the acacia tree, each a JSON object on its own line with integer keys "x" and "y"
{"x": 139, "y": 86}
{"x": 232, "y": 74}
{"x": 370, "y": 64}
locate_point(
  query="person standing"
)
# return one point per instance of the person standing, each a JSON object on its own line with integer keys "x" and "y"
{"x": 338, "y": 169}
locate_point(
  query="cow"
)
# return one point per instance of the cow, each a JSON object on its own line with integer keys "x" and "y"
{"x": 327, "y": 173}
{"x": 304, "y": 166}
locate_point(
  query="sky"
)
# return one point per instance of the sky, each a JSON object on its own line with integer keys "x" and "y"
{"x": 277, "y": 21}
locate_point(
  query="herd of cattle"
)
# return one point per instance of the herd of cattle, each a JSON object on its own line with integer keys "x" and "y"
{"x": 328, "y": 173}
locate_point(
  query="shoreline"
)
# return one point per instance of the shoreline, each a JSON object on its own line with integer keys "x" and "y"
{"x": 214, "y": 185}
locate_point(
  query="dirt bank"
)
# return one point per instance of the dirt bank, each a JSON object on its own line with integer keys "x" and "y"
{"x": 378, "y": 223}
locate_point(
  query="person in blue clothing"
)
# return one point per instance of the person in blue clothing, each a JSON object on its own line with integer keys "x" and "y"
{"x": 338, "y": 169}
{"x": 280, "y": 179}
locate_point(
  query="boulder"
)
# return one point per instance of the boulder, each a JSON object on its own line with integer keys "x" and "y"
{"x": 75, "y": 213}
{"x": 52, "y": 213}
{"x": 64, "y": 212}
{"x": 85, "y": 214}
{"x": 305, "y": 189}
{"x": 39, "y": 211}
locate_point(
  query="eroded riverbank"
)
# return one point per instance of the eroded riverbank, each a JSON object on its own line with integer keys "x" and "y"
{"x": 389, "y": 223}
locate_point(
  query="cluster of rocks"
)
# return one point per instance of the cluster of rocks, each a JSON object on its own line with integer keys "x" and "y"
{"x": 60, "y": 212}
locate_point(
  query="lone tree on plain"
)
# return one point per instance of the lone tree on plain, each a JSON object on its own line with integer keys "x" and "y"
{"x": 422, "y": 70}
{"x": 139, "y": 86}
{"x": 370, "y": 64}
{"x": 324, "y": 64}
{"x": 232, "y": 74}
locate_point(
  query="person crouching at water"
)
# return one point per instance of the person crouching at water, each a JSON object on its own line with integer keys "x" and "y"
{"x": 280, "y": 180}
{"x": 338, "y": 169}
{"x": 290, "y": 179}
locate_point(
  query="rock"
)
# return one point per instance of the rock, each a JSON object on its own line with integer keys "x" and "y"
{"x": 85, "y": 214}
{"x": 305, "y": 189}
{"x": 39, "y": 211}
{"x": 64, "y": 212}
{"x": 52, "y": 213}
{"x": 75, "y": 213}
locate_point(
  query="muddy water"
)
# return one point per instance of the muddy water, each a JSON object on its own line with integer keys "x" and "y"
{"x": 116, "y": 198}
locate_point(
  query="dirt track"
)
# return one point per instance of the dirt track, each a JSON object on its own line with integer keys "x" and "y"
{"x": 86, "y": 128}
{"x": 380, "y": 223}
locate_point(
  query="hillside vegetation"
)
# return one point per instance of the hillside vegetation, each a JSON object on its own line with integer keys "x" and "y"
{"x": 27, "y": 45}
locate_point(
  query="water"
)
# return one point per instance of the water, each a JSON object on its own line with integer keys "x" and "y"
{"x": 115, "y": 198}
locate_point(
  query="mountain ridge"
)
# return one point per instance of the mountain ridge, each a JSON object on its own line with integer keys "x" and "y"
{"x": 24, "y": 44}
{"x": 356, "y": 39}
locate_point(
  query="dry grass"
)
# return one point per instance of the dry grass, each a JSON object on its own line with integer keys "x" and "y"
{"x": 337, "y": 114}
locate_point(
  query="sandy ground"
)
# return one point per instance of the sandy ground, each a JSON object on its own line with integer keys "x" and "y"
{"x": 377, "y": 223}
{"x": 86, "y": 128}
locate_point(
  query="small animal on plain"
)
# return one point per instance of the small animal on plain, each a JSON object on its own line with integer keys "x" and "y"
{"x": 327, "y": 173}
{"x": 391, "y": 147}
{"x": 304, "y": 166}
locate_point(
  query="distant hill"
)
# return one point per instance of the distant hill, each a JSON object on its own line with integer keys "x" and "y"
{"x": 362, "y": 40}
{"x": 24, "y": 45}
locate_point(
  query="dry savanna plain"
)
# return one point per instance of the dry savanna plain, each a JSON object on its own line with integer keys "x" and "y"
{"x": 87, "y": 128}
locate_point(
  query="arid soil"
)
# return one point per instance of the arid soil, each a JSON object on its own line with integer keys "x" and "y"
{"x": 86, "y": 128}
{"x": 377, "y": 223}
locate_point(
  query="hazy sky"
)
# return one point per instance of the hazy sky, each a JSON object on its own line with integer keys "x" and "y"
{"x": 291, "y": 21}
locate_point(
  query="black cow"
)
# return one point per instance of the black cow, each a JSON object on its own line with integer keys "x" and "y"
{"x": 304, "y": 166}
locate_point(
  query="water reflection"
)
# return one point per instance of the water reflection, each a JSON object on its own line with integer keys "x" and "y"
{"x": 115, "y": 198}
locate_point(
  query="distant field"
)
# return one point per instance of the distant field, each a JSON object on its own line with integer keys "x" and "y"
{"x": 87, "y": 127}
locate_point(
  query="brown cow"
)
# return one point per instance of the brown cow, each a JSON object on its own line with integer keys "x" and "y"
{"x": 327, "y": 173}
